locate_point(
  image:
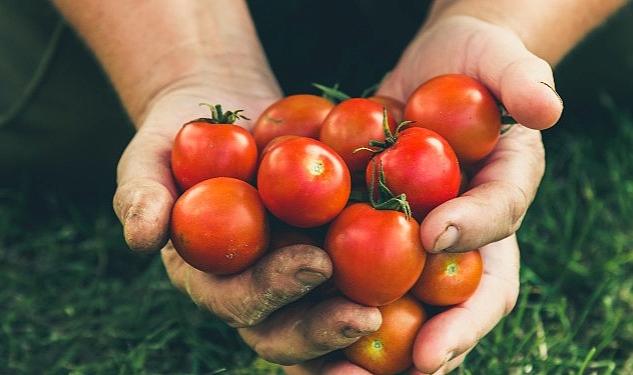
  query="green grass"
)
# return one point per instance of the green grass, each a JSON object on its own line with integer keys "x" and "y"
{"x": 73, "y": 299}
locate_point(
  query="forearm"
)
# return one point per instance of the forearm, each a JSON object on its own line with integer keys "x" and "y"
{"x": 147, "y": 46}
{"x": 548, "y": 28}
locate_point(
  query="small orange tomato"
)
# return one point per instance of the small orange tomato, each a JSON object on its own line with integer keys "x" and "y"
{"x": 390, "y": 349}
{"x": 449, "y": 278}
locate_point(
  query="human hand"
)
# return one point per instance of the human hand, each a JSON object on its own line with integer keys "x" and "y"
{"x": 143, "y": 201}
{"x": 501, "y": 188}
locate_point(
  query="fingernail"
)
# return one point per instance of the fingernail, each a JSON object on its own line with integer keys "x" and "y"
{"x": 448, "y": 357}
{"x": 447, "y": 239}
{"x": 310, "y": 277}
{"x": 352, "y": 333}
{"x": 555, "y": 93}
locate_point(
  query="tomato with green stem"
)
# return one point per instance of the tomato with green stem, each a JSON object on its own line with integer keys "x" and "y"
{"x": 389, "y": 350}
{"x": 417, "y": 162}
{"x": 376, "y": 249}
{"x": 213, "y": 147}
{"x": 220, "y": 226}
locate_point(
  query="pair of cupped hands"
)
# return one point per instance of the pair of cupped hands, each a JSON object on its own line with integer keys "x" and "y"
{"x": 264, "y": 302}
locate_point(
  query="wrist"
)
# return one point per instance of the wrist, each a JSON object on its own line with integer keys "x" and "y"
{"x": 194, "y": 71}
{"x": 533, "y": 22}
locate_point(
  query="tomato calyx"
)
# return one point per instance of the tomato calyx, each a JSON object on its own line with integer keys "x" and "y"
{"x": 333, "y": 93}
{"x": 384, "y": 198}
{"x": 218, "y": 116}
{"x": 375, "y": 146}
{"x": 507, "y": 121}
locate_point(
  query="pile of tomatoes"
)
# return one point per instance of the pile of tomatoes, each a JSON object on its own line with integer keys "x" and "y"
{"x": 355, "y": 178}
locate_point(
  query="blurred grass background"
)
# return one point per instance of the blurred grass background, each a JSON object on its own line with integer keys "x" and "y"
{"x": 73, "y": 299}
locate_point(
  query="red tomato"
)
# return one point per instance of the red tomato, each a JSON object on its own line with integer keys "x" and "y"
{"x": 389, "y": 350}
{"x": 352, "y": 124}
{"x": 204, "y": 149}
{"x": 460, "y": 109}
{"x": 422, "y": 165}
{"x": 275, "y": 142}
{"x": 283, "y": 236}
{"x": 294, "y": 115}
{"x": 394, "y": 106}
{"x": 377, "y": 254}
{"x": 449, "y": 278}
{"x": 219, "y": 226}
{"x": 303, "y": 182}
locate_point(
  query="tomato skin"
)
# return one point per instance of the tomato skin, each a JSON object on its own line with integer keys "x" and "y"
{"x": 203, "y": 150}
{"x": 422, "y": 165}
{"x": 275, "y": 142}
{"x": 303, "y": 182}
{"x": 219, "y": 226}
{"x": 377, "y": 254}
{"x": 390, "y": 349}
{"x": 394, "y": 106}
{"x": 293, "y": 115}
{"x": 352, "y": 124}
{"x": 460, "y": 109}
{"x": 449, "y": 278}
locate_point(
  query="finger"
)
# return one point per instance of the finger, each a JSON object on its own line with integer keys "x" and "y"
{"x": 496, "y": 204}
{"x": 454, "y": 331}
{"x": 325, "y": 366}
{"x": 448, "y": 366}
{"x": 305, "y": 331}
{"x": 245, "y": 299}
{"x": 145, "y": 191}
{"x": 522, "y": 81}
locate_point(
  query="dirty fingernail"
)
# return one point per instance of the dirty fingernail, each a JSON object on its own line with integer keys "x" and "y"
{"x": 447, "y": 239}
{"x": 310, "y": 277}
{"x": 554, "y": 91}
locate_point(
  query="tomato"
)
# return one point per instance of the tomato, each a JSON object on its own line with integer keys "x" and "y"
{"x": 394, "y": 106}
{"x": 377, "y": 254}
{"x": 283, "y": 236}
{"x": 460, "y": 109}
{"x": 390, "y": 349}
{"x": 275, "y": 142}
{"x": 294, "y": 115}
{"x": 420, "y": 164}
{"x": 207, "y": 148}
{"x": 303, "y": 182}
{"x": 219, "y": 226}
{"x": 449, "y": 278}
{"x": 352, "y": 124}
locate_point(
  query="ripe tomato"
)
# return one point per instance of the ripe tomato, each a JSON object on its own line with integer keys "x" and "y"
{"x": 285, "y": 235}
{"x": 294, "y": 115}
{"x": 219, "y": 226}
{"x": 377, "y": 254}
{"x": 207, "y": 148}
{"x": 390, "y": 349}
{"x": 274, "y": 143}
{"x": 449, "y": 278}
{"x": 394, "y": 106}
{"x": 303, "y": 182}
{"x": 352, "y": 124}
{"x": 422, "y": 165}
{"x": 460, "y": 109}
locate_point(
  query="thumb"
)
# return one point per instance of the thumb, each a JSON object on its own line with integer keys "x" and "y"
{"x": 145, "y": 193}
{"x": 522, "y": 81}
